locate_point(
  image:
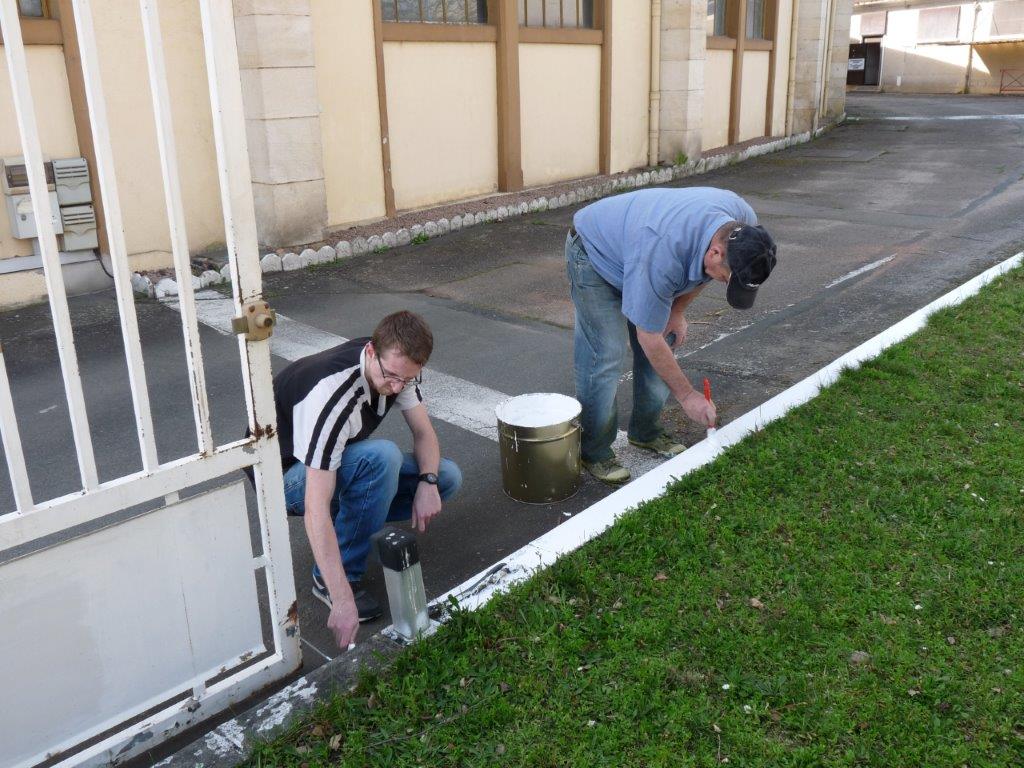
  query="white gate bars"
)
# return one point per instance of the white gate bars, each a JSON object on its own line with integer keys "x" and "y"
{"x": 118, "y": 637}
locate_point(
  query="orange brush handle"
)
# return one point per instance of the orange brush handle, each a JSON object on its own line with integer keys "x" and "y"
{"x": 707, "y": 389}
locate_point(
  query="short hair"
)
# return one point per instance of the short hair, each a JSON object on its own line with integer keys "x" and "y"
{"x": 406, "y": 332}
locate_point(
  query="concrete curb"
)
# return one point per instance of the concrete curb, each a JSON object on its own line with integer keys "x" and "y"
{"x": 429, "y": 229}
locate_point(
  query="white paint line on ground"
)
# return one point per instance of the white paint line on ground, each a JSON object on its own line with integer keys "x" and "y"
{"x": 935, "y": 118}
{"x": 449, "y": 398}
{"x": 594, "y": 520}
{"x": 861, "y": 271}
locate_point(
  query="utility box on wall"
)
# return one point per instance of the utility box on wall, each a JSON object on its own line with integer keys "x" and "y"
{"x": 71, "y": 178}
{"x": 67, "y": 181}
{"x": 23, "y": 217}
{"x": 79, "y": 227}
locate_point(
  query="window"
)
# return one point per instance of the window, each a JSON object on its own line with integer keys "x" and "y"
{"x": 33, "y": 8}
{"x": 873, "y": 24}
{"x": 556, "y": 13}
{"x": 435, "y": 11}
{"x": 716, "y": 18}
{"x": 935, "y": 24}
{"x": 1007, "y": 18}
{"x": 755, "y": 19}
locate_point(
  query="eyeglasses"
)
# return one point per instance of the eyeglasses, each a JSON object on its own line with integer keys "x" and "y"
{"x": 418, "y": 379}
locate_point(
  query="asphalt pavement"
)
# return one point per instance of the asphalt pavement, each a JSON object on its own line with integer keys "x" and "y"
{"x": 873, "y": 220}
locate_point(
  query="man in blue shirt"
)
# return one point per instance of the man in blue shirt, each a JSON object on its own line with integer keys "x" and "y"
{"x": 635, "y": 262}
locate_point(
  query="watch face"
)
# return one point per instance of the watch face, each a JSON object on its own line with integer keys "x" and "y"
{"x": 429, "y": 477}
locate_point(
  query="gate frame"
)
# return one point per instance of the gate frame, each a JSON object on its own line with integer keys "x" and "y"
{"x": 31, "y": 521}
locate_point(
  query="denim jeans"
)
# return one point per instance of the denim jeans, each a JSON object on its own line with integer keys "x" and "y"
{"x": 599, "y": 346}
{"x": 375, "y": 485}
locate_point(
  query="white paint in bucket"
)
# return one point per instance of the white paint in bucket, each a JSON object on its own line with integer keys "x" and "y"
{"x": 541, "y": 409}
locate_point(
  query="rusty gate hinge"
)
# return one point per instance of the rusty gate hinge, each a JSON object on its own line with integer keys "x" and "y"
{"x": 256, "y": 321}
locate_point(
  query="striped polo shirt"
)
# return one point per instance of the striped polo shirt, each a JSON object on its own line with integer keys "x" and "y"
{"x": 325, "y": 401}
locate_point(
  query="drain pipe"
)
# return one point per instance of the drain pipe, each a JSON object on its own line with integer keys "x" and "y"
{"x": 791, "y": 84}
{"x": 654, "y": 118}
{"x": 970, "y": 50}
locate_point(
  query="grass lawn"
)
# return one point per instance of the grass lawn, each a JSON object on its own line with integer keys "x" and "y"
{"x": 844, "y": 588}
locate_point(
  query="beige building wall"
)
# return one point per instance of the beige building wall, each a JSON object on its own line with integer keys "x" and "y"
{"x": 753, "y": 95}
{"x": 133, "y": 131}
{"x": 717, "y": 94}
{"x": 442, "y": 120}
{"x": 346, "y": 81}
{"x": 560, "y": 109}
{"x": 49, "y": 83}
{"x": 631, "y": 84}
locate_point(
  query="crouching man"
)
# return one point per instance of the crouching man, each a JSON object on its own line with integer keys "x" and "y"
{"x": 347, "y": 486}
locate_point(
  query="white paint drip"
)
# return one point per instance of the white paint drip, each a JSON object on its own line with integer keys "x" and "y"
{"x": 227, "y": 738}
{"x": 278, "y": 706}
{"x": 861, "y": 271}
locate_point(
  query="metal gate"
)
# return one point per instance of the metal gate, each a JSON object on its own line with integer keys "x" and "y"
{"x": 139, "y": 605}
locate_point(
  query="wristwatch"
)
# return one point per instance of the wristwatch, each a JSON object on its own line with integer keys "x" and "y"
{"x": 428, "y": 477}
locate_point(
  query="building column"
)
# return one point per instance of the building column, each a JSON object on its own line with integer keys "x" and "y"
{"x": 819, "y": 93}
{"x": 683, "y": 44}
{"x": 839, "y": 58}
{"x": 275, "y": 52}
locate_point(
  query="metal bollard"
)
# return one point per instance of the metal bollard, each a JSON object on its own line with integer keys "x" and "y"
{"x": 403, "y": 577}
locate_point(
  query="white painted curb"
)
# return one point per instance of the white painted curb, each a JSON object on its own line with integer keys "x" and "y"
{"x": 591, "y": 522}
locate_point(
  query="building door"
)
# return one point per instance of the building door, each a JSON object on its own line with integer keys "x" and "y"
{"x": 856, "y": 65}
{"x": 872, "y": 63}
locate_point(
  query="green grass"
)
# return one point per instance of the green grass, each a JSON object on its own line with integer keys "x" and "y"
{"x": 884, "y": 517}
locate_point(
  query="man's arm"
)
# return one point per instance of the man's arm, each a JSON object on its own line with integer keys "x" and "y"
{"x": 344, "y": 619}
{"x": 427, "y": 501}
{"x": 664, "y": 362}
{"x": 676, "y": 321}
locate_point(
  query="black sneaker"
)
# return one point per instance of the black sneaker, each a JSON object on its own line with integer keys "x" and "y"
{"x": 368, "y": 607}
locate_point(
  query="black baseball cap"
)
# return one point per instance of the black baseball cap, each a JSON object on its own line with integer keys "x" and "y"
{"x": 750, "y": 252}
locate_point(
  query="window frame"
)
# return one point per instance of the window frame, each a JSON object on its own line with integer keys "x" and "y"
{"x": 938, "y": 39}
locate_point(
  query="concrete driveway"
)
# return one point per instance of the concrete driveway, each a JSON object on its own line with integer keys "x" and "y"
{"x": 873, "y": 220}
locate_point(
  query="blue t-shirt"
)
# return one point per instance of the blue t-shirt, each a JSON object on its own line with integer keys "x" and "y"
{"x": 650, "y": 244}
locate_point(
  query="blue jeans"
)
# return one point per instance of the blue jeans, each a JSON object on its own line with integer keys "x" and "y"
{"x": 599, "y": 346}
{"x": 375, "y": 485}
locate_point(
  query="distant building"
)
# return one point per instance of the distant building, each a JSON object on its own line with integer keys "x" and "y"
{"x": 924, "y": 46}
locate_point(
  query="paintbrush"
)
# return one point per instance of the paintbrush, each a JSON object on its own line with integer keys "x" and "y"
{"x": 707, "y": 396}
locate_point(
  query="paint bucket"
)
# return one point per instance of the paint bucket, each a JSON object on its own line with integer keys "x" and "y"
{"x": 539, "y": 440}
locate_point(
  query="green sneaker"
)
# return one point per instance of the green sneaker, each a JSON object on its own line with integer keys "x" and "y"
{"x": 610, "y": 471}
{"x": 663, "y": 445}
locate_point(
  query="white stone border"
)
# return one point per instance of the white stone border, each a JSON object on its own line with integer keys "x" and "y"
{"x": 591, "y": 522}
{"x": 360, "y": 245}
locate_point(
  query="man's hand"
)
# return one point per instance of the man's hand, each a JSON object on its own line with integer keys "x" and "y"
{"x": 699, "y": 410}
{"x": 344, "y": 619}
{"x": 425, "y": 505}
{"x": 677, "y": 326}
